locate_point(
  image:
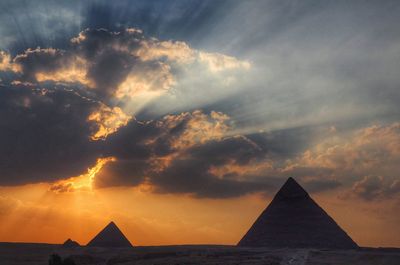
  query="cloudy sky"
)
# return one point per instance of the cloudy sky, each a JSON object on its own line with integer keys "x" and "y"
{"x": 179, "y": 120}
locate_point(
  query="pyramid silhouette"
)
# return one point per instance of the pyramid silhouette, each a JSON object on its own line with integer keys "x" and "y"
{"x": 110, "y": 237}
{"x": 69, "y": 243}
{"x": 294, "y": 220}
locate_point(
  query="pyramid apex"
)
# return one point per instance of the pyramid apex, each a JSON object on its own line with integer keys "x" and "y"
{"x": 110, "y": 236}
{"x": 291, "y": 189}
{"x": 70, "y": 243}
{"x": 291, "y": 179}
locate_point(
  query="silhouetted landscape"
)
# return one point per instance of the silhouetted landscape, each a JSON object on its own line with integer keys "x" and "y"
{"x": 39, "y": 254}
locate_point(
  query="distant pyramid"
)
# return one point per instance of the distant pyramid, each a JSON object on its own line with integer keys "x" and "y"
{"x": 70, "y": 243}
{"x": 110, "y": 237}
{"x": 294, "y": 220}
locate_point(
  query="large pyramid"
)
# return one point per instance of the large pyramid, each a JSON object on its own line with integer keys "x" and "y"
{"x": 110, "y": 237}
{"x": 294, "y": 220}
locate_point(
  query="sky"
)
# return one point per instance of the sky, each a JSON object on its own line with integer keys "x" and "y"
{"x": 180, "y": 120}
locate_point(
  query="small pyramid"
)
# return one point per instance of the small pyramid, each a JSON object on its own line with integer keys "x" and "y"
{"x": 70, "y": 243}
{"x": 294, "y": 220}
{"x": 110, "y": 237}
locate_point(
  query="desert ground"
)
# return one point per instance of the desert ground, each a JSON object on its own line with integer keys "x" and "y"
{"x": 38, "y": 254}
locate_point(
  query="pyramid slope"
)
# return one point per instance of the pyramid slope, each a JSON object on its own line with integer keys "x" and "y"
{"x": 110, "y": 237}
{"x": 294, "y": 220}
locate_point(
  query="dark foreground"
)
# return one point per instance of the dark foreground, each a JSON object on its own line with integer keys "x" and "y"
{"x": 38, "y": 254}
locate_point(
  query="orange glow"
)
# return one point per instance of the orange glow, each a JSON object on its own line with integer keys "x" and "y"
{"x": 83, "y": 182}
{"x": 33, "y": 213}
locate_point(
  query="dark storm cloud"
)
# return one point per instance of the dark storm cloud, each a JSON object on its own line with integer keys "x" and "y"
{"x": 130, "y": 172}
{"x": 220, "y": 152}
{"x": 191, "y": 172}
{"x": 43, "y": 135}
{"x": 109, "y": 66}
{"x": 130, "y": 141}
{"x": 192, "y": 176}
{"x": 142, "y": 152}
{"x": 285, "y": 143}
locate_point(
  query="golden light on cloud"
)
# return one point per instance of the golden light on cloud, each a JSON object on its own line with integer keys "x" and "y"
{"x": 6, "y": 63}
{"x": 5, "y": 59}
{"x": 177, "y": 51}
{"x": 200, "y": 127}
{"x": 218, "y": 62}
{"x": 74, "y": 72}
{"x": 83, "y": 182}
{"x": 365, "y": 148}
{"x": 109, "y": 120}
{"x": 146, "y": 81}
{"x": 233, "y": 168}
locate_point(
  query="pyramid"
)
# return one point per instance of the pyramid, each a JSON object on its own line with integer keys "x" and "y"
{"x": 294, "y": 220}
{"x": 110, "y": 237}
{"x": 70, "y": 243}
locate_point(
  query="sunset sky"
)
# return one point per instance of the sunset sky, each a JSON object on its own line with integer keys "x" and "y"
{"x": 179, "y": 120}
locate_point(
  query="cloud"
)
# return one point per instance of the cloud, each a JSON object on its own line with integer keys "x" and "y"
{"x": 376, "y": 187}
{"x": 370, "y": 154}
{"x": 188, "y": 129}
{"x": 44, "y": 134}
{"x": 314, "y": 185}
{"x": 39, "y": 65}
{"x": 220, "y": 62}
{"x": 109, "y": 120}
{"x": 120, "y": 66}
{"x": 128, "y": 173}
{"x": 183, "y": 153}
{"x": 83, "y": 182}
{"x": 195, "y": 170}
{"x": 372, "y": 149}
{"x": 84, "y": 101}
{"x": 125, "y": 70}
{"x": 4, "y": 61}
